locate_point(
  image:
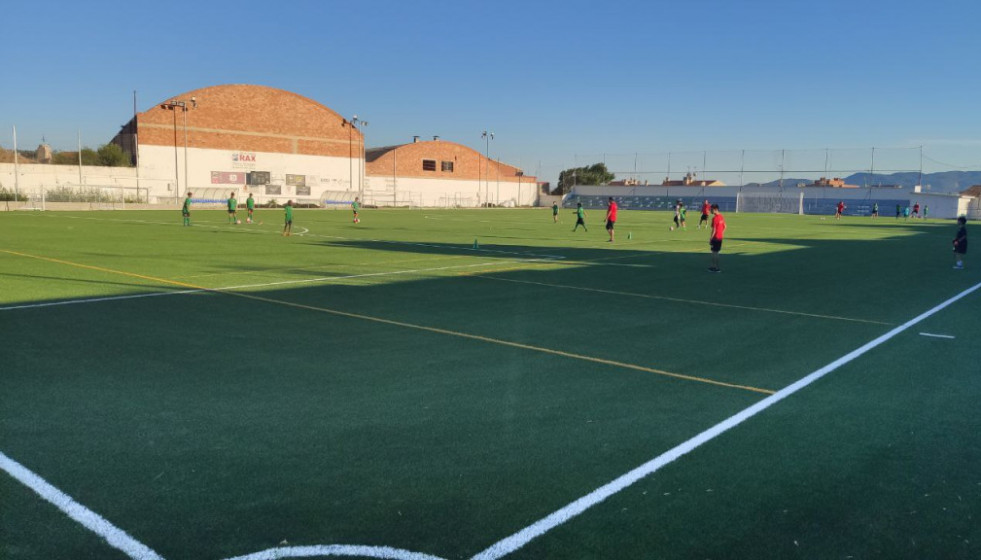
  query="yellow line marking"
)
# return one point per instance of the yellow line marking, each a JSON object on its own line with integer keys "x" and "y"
{"x": 679, "y": 300}
{"x": 409, "y": 325}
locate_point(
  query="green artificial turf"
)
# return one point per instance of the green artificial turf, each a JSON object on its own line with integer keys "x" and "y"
{"x": 435, "y": 380}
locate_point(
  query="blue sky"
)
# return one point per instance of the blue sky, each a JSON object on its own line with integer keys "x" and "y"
{"x": 560, "y": 84}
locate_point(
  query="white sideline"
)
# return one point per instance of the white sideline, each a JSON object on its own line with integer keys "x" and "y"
{"x": 92, "y": 521}
{"x": 337, "y": 550}
{"x": 524, "y": 536}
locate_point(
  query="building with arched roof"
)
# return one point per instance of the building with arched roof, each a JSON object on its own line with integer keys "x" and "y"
{"x": 279, "y": 145}
{"x": 274, "y": 143}
{"x": 441, "y": 173}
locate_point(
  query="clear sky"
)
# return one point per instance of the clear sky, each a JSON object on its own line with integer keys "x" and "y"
{"x": 559, "y": 83}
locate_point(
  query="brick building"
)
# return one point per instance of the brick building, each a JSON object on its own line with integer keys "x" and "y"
{"x": 440, "y": 173}
{"x": 280, "y": 145}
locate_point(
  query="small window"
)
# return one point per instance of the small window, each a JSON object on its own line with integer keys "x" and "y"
{"x": 429, "y": 165}
{"x": 447, "y": 166}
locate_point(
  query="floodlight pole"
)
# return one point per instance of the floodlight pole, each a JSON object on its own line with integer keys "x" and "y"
{"x": 487, "y": 136}
{"x": 174, "y": 105}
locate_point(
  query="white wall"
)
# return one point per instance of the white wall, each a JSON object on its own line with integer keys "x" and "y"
{"x": 405, "y": 191}
{"x": 322, "y": 174}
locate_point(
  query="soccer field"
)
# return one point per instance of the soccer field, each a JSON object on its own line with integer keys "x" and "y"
{"x": 485, "y": 384}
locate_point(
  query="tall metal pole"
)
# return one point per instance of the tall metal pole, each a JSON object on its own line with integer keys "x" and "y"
{"x": 872, "y": 167}
{"x": 187, "y": 185}
{"x": 16, "y": 168}
{"x": 177, "y": 171}
{"x": 79, "y": 159}
{"x": 136, "y": 151}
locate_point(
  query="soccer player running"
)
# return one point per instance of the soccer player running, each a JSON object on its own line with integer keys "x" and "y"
{"x": 706, "y": 209}
{"x": 718, "y": 232}
{"x": 288, "y": 226}
{"x": 960, "y": 243}
{"x": 875, "y": 210}
{"x": 356, "y": 205}
{"x": 611, "y": 217}
{"x": 682, "y": 214}
{"x": 916, "y": 210}
{"x": 839, "y": 209}
{"x": 250, "y": 205}
{"x": 580, "y": 217}
{"x": 232, "y": 208}
{"x": 555, "y": 212}
{"x": 186, "y": 210}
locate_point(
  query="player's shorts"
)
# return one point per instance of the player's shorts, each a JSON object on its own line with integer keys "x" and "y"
{"x": 289, "y": 222}
{"x": 580, "y": 222}
{"x": 716, "y": 245}
{"x": 231, "y": 211}
{"x": 185, "y": 213}
{"x": 961, "y": 248}
{"x": 610, "y": 224}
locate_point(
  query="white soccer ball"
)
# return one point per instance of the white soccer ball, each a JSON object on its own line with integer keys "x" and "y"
{"x": 238, "y": 222}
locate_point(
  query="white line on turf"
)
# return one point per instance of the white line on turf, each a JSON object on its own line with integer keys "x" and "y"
{"x": 936, "y": 335}
{"x": 524, "y": 536}
{"x": 337, "y": 550}
{"x": 263, "y": 285}
{"x": 92, "y": 521}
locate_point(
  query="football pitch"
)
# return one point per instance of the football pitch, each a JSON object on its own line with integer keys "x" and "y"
{"x": 483, "y": 384}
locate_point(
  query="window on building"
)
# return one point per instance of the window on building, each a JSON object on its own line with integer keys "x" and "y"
{"x": 447, "y": 166}
{"x": 429, "y": 165}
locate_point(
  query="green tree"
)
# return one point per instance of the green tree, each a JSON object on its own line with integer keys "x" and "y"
{"x": 112, "y": 155}
{"x": 596, "y": 174}
{"x": 90, "y": 157}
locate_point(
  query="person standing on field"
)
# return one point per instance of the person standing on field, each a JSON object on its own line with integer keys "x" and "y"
{"x": 288, "y": 226}
{"x": 706, "y": 209}
{"x": 718, "y": 232}
{"x": 356, "y": 205}
{"x": 186, "y": 210}
{"x": 555, "y": 212}
{"x": 580, "y": 217}
{"x": 232, "y": 208}
{"x": 960, "y": 243}
{"x": 611, "y": 217}
{"x": 250, "y": 206}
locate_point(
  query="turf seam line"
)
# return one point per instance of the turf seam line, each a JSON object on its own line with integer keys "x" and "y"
{"x": 682, "y": 300}
{"x": 519, "y": 539}
{"x": 116, "y": 537}
{"x": 413, "y": 326}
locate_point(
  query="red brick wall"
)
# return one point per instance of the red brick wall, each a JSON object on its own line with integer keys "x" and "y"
{"x": 251, "y": 118}
{"x": 468, "y": 164}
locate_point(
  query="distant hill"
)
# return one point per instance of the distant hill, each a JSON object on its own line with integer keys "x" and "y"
{"x": 942, "y": 182}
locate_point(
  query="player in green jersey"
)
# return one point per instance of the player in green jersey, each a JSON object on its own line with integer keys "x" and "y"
{"x": 232, "y": 208}
{"x": 356, "y": 205}
{"x": 186, "y": 210}
{"x": 580, "y": 217}
{"x": 555, "y": 212}
{"x": 288, "y": 226}
{"x": 250, "y": 204}
{"x": 682, "y": 214}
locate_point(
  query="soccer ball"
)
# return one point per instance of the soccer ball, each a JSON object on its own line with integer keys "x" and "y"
{"x": 671, "y": 228}
{"x": 238, "y": 222}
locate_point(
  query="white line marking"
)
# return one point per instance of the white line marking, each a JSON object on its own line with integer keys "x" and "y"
{"x": 324, "y": 279}
{"x": 524, "y": 536}
{"x": 936, "y": 335}
{"x": 96, "y": 300}
{"x": 337, "y": 550}
{"x": 92, "y": 521}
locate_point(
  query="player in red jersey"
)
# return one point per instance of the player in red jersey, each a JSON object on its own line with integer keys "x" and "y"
{"x": 706, "y": 209}
{"x": 611, "y": 217}
{"x": 839, "y": 209}
{"x": 718, "y": 232}
{"x": 916, "y": 210}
